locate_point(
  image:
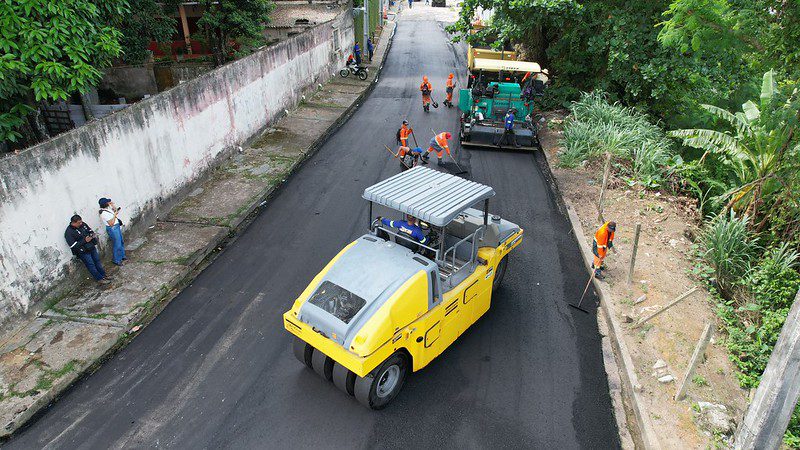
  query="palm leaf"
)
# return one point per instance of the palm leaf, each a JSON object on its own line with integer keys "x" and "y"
{"x": 768, "y": 88}
{"x": 738, "y": 121}
{"x": 711, "y": 140}
{"x": 751, "y": 111}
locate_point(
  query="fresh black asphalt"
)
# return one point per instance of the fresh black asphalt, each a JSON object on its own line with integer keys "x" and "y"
{"x": 215, "y": 368}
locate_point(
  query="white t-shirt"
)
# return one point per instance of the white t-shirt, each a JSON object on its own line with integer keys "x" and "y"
{"x": 105, "y": 215}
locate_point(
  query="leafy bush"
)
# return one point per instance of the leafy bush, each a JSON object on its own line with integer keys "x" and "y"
{"x": 728, "y": 248}
{"x": 597, "y": 126}
{"x": 754, "y": 320}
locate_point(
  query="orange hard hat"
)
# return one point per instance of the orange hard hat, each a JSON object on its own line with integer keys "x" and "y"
{"x": 448, "y": 135}
{"x": 450, "y": 76}
{"x": 424, "y": 78}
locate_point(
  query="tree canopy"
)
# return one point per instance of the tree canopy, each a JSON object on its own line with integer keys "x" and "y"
{"x": 51, "y": 50}
{"x": 227, "y": 21}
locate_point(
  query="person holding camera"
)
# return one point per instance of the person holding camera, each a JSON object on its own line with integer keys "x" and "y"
{"x": 83, "y": 244}
{"x": 109, "y": 214}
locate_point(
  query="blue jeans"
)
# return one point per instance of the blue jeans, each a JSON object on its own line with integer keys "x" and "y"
{"x": 92, "y": 262}
{"x": 115, "y": 233}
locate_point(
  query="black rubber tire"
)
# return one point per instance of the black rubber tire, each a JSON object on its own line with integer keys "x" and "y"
{"x": 344, "y": 73}
{"x": 500, "y": 272}
{"x": 302, "y": 351}
{"x": 365, "y": 389}
{"x": 343, "y": 378}
{"x": 362, "y": 75}
{"x": 322, "y": 364}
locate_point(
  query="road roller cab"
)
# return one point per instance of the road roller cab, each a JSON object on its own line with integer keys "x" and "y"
{"x": 387, "y": 305}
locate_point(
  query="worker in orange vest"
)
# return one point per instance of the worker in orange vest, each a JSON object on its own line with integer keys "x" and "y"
{"x": 439, "y": 145}
{"x": 450, "y": 87}
{"x": 403, "y": 133}
{"x": 426, "y": 88}
{"x": 603, "y": 240}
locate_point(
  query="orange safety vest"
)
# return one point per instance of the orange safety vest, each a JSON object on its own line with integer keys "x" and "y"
{"x": 603, "y": 237}
{"x": 405, "y": 132}
{"x": 441, "y": 139}
{"x": 450, "y": 82}
{"x": 423, "y": 85}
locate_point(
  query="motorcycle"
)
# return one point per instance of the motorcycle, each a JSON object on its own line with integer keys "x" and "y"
{"x": 359, "y": 71}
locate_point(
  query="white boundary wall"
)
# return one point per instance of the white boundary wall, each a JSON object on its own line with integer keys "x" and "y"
{"x": 144, "y": 156}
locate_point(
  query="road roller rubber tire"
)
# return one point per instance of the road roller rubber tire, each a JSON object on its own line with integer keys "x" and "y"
{"x": 380, "y": 386}
{"x": 302, "y": 351}
{"x": 322, "y": 364}
{"x": 500, "y": 273}
{"x": 343, "y": 378}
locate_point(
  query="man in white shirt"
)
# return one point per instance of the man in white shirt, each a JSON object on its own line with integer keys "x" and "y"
{"x": 109, "y": 214}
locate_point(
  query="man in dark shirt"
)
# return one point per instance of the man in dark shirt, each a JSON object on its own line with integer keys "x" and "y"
{"x": 83, "y": 244}
{"x": 508, "y": 129}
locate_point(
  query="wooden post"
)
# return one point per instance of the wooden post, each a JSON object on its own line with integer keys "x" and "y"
{"x": 633, "y": 254}
{"x": 185, "y": 26}
{"x": 776, "y": 397}
{"x": 606, "y": 172}
{"x": 670, "y": 305}
{"x": 699, "y": 350}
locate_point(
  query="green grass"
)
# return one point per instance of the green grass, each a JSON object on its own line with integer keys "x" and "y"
{"x": 699, "y": 380}
{"x": 641, "y": 149}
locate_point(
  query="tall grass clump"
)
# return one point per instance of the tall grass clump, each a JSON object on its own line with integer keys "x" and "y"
{"x": 597, "y": 126}
{"x": 729, "y": 250}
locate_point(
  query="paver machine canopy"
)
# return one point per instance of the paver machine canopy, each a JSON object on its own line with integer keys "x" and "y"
{"x": 494, "y": 88}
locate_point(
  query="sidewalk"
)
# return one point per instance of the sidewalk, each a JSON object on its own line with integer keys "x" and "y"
{"x": 43, "y": 353}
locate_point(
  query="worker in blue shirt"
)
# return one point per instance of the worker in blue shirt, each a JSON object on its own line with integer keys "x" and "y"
{"x": 409, "y": 227}
{"x": 508, "y": 129}
{"x": 357, "y": 53}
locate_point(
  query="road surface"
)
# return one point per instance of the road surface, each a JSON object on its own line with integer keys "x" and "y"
{"x": 215, "y": 368}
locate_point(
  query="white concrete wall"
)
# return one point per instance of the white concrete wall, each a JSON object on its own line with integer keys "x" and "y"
{"x": 143, "y": 156}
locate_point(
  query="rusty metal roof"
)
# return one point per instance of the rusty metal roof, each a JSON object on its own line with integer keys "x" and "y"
{"x": 432, "y": 196}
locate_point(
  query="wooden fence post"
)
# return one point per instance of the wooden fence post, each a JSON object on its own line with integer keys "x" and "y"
{"x": 670, "y": 305}
{"x": 699, "y": 350}
{"x": 606, "y": 172}
{"x": 633, "y": 254}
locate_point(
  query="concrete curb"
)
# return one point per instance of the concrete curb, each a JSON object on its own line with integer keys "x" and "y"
{"x": 630, "y": 381}
{"x": 616, "y": 357}
{"x": 162, "y": 297}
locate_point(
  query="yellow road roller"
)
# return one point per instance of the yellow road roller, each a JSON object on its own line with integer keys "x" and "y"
{"x": 395, "y": 298}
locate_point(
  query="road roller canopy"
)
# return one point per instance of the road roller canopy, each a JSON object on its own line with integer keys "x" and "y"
{"x": 431, "y": 196}
{"x": 497, "y": 65}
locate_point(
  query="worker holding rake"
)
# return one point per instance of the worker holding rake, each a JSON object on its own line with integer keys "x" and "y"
{"x": 439, "y": 145}
{"x": 603, "y": 240}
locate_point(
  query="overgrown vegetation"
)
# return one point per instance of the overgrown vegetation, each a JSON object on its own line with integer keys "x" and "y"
{"x": 53, "y": 51}
{"x": 723, "y": 76}
{"x": 596, "y": 127}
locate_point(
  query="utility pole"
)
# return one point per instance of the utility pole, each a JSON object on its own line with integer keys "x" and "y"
{"x": 776, "y": 397}
{"x": 366, "y": 30}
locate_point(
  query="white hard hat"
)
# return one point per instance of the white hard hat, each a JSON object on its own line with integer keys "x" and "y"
{"x": 544, "y": 71}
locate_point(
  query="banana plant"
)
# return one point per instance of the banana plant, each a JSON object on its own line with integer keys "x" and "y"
{"x": 755, "y": 146}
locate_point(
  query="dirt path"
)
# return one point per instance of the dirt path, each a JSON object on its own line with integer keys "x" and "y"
{"x": 663, "y": 263}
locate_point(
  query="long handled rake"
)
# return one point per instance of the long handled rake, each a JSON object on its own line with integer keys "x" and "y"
{"x": 585, "y": 290}
{"x": 395, "y": 156}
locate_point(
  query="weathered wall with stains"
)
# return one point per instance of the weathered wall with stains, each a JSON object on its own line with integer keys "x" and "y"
{"x": 145, "y": 156}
